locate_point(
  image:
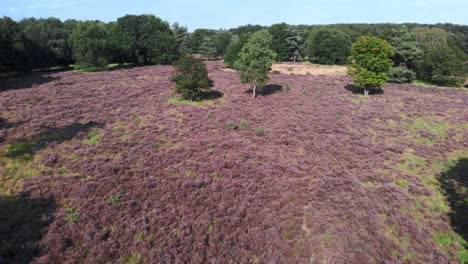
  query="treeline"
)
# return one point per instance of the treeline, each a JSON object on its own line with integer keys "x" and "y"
{"x": 434, "y": 53}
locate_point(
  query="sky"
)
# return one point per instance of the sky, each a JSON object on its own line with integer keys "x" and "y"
{"x": 216, "y": 14}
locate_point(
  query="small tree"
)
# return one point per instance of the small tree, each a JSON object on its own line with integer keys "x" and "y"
{"x": 191, "y": 77}
{"x": 370, "y": 62}
{"x": 255, "y": 60}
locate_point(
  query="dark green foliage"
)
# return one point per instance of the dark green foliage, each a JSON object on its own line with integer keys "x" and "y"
{"x": 401, "y": 75}
{"x": 443, "y": 66}
{"x": 279, "y": 44}
{"x": 208, "y": 49}
{"x": 14, "y": 54}
{"x": 196, "y": 39}
{"x": 191, "y": 77}
{"x": 232, "y": 54}
{"x": 90, "y": 46}
{"x": 221, "y": 40}
{"x": 370, "y": 62}
{"x": 246, "y": 29}
{"x": 50, "y": 42}
{"x": 255, "y": 60}
{"x": 181, "y": 35}
{"x": 231, "y": 125}
{"x": 407, "y": 52}
{"x": 147, "y": 39}
{"x": 296, "y": 45}
{"x": 329, "y": 46}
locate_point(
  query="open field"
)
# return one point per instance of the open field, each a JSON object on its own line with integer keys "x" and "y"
{"x": 308, "y": 68}
{"x": 108, "y": 167}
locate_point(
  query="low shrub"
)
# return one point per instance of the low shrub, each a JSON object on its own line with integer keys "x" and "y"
{"x": 260, "y": 132}
{"x": 244, "y": 124}
{"x": 231, "y": 125}
{"x": 288, "y": 88}
{"x": 401, "y": 75}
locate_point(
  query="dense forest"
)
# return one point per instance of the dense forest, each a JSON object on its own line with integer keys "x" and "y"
{"x": 433, "y": 53}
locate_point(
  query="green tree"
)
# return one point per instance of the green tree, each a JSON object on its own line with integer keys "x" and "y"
{"x": 196, "y": 39}
{"x": 370, "y": 62}
{"x": 149, "y": 39}
{"x": 330, "y": 46}
{"x": 295, "y": 44}
{"x": 221, "y": 40}
{"x": 443, "y": 65}
{"x": 429, "y": 38}
{"x": 232, "y": 54}
{"x": 255, "y": 60}
{"x": 90, "y": 46}
{"x": 181, "y": 36}
{"x": 279, "y": 44}
{"x": 13, "y": 47}
{"x": 407, "y": 52}
{"x": 191, "y": 77}
{"x": 207, "y": 48}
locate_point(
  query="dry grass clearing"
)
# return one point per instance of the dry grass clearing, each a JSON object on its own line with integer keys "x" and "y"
{"x": 308, "y": 68}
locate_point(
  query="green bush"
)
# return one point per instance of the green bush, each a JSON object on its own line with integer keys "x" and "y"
{"x": 231, "y": 125}
{"x": 260, "y": 132}
{"x": 370, "y": 62}
{"x": 401, "y": 75}
{"x": 191, "y": 78}
{"x": 244, "y": 124}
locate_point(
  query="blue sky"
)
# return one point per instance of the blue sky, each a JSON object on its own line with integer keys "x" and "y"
{"x": 226, "y": 14}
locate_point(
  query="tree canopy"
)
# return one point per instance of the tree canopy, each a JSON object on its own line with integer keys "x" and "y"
{"x": 329, "y": 46}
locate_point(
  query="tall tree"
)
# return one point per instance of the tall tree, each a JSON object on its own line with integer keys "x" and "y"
{"x": 181, "y": 36}
{"x": 429, "y": 38}
{"x": 330, "y": 46}
{"x": 150, "y": 39}
{"x": 207, "y": 48}
{"x": 196, "y": 39}
{"x": 407, "y": 52}
{"x": 232, "y": 54}
{"x": 13, "y": 47}
{"x": 255, "y": 60}
{"x": 90, "y": 46}
{"x": 296, "y": 45}
{"x": 443, "y": 65}
{"x": 279, "y": 44}
{"x": 221, "y": 40}
{"x": 370, "y": 62}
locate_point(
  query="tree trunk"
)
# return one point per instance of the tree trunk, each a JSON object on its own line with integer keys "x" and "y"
{"x": 366, "y": 92}
{"x": 254, "y": 88}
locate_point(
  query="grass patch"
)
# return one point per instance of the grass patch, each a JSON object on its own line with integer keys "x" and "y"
{"x": 134, "y": 258}
{"x": 244, "y": 124}
{"x": 437, "y": 129}
{"x": 94, "y": 138}
{"x": 73, "y": 215}
{"x": 260, "y": 132}
{"x": 412, "y": 163}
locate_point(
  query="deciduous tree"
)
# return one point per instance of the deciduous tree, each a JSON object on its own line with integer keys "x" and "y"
{"x": 255, "y": 60}
{"x": 370, "y": 62}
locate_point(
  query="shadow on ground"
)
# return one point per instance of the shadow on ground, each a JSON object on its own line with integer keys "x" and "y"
{"x": 357, "y": 90}
{"x": 28, "y": 146}
{"x": 267, "y": 90}
{"x": 25, "y": 81}
{"x": 455, "y": 183}
{"x": 23, "y": 222}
